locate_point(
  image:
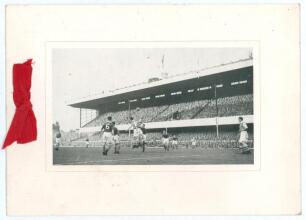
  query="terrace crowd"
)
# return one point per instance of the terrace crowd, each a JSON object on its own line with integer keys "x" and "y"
{"x": 227, "y": 106}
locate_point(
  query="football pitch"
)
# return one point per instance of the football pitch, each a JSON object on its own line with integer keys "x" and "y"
{"x": 152, "y": 156}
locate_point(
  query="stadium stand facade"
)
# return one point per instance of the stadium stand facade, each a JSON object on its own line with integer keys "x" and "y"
{"x": 203, "y": 104}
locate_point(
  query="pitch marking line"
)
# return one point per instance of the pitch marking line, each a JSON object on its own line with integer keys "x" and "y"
{"x": 128, "y": 159}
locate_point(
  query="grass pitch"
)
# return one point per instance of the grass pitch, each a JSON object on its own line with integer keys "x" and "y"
{"x": 152, "y": 156}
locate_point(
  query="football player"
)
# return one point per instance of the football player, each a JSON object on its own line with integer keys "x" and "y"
{"x": 58, "y": 140}
{"x": 174, "y": 142}
{"x": 193, "y": 142}
{"x": 144, "y": 137}
{"x": 107, "y": 135}
{"x": 165, "y": 140}
{"x": 87, "y": 142}
{"x": 116, "y": 138}
{"x": 243, "y": 136}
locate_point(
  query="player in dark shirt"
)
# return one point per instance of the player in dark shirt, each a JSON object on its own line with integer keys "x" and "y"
{"x": 107, "y": 135}
{"x": 87, "y": 142}
{"x": 107, "y": 127}
{"x": 58, "y": 140}
{"x": 144, "y": 136}
{"x": 116, "y": 138}
{"x": 165, "y": 135}
{"x": 115, "y": 129}
{"x": 143, "y": 128}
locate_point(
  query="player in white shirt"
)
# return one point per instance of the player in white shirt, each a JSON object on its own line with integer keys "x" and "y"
{"x": 137, "y": 132}
{"x": 193, "y": 142}
{"x": 165, "y": 140}
{"x": 175, "y": 142}
{"x": 243, "y": 136}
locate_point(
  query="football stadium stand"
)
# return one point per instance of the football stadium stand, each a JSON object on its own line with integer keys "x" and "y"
{"x": 202, "y": 105}
{"x": 227, "y": 106}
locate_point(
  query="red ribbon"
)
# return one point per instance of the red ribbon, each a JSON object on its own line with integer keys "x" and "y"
{"x": 23, "y": 127}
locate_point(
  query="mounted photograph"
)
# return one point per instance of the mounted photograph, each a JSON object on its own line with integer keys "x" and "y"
{"x": 152, "y": 106}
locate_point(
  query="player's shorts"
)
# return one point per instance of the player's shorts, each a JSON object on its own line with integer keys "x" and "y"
{"x": 243, "y": 137}
{"x": 57, "y": 141}
{"x": 193, "y": 143}
{"x": 116, "y": 139}
{"x": 144, "y": 137}
{"x": 165, "y": 141}
{"x": 107, "y": 138}
{"x": 174, "y": 142}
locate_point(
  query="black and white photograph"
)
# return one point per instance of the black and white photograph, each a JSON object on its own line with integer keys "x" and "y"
{"x": 153, "y": 106}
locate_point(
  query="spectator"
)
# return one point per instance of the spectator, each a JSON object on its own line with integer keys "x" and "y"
{"x": 227, "y": 106}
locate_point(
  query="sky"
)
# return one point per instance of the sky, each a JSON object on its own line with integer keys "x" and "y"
{"x": 79, "y": 72}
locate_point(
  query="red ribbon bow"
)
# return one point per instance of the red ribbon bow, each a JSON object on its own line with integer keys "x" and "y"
{"x": 23, "y": 127}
